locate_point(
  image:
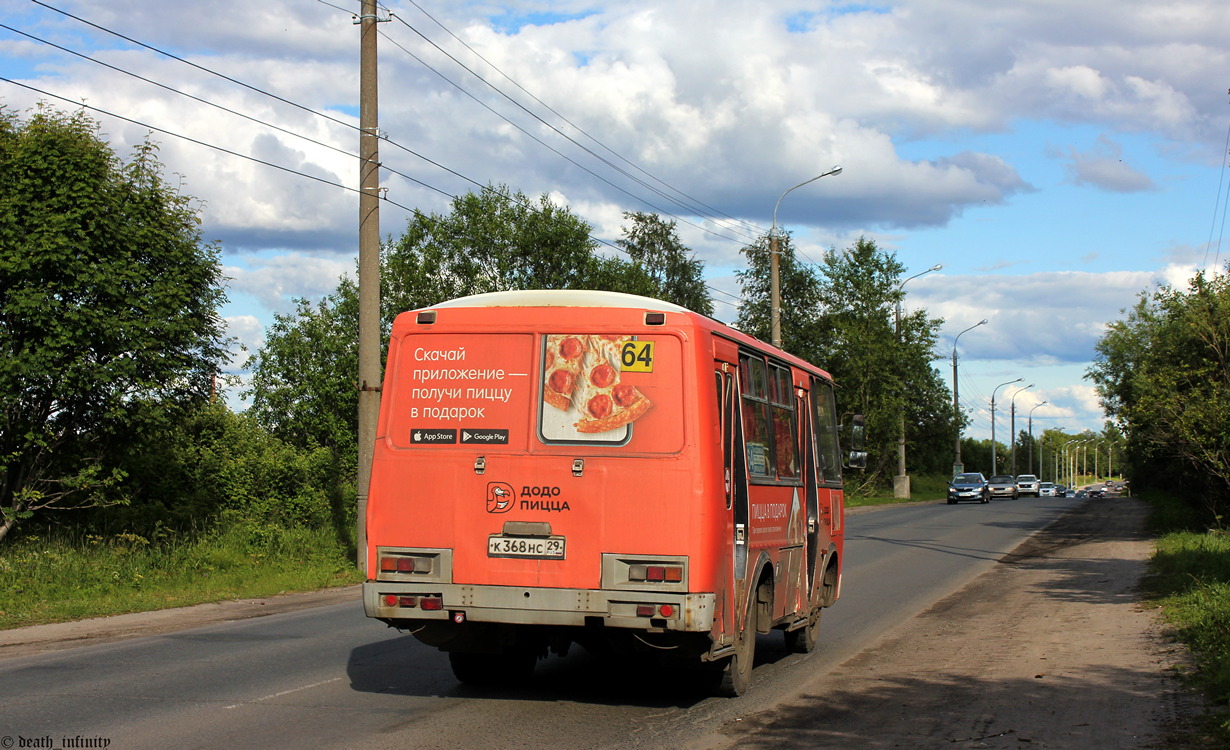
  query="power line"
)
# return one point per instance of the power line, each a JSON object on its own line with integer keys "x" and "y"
{"x": 1217, "y": 206}
{"x": 538, "y": 140}
{"x": 262, "y": 122}
{"x": 250, "y": 87}
{"x": 510, "y": 79}
{"x": 202, "y": 143}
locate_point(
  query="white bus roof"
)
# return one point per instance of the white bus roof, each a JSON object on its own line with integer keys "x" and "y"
{"x": 561, "y": 298}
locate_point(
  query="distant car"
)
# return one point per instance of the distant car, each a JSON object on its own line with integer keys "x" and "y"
{"x": 1046, "y": 489}
{"x": 1097, "y": 490}
{"x": 968, "y": 487}
{"x": 1027, "y": 484}
{"x": 1062, "y": 491}
{"x": 1002, "y": 485}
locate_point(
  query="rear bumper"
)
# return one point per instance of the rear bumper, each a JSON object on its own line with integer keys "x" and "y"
{"x": 516, "y": 605}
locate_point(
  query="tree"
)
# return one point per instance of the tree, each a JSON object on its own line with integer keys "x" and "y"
{"x": 492, "y": 241}
{"x": 304, "y": 379}
{"x": 674, "y": 273}
{"x": 1163, "y": 374}
{"x": 108, "y": 311}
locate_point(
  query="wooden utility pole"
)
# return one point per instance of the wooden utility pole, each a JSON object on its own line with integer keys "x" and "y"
{"x": 369, "y": 266}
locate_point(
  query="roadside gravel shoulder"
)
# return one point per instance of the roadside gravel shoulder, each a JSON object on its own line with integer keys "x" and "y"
{"x": 1052, "y": 648}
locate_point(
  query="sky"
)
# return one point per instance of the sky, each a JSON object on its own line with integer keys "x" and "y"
{"x": 1057, "y": 159}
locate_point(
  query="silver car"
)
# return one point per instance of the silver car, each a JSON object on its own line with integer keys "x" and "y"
{"x": 1001, "y": 486}
{"x": 1028, "y": 484}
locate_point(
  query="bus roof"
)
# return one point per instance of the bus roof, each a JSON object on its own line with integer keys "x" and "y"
{"x": 595, "y": 298}
{"x": 561, "y": 298}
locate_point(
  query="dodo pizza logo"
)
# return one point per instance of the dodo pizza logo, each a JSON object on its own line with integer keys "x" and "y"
{"x": 499, "y": 497}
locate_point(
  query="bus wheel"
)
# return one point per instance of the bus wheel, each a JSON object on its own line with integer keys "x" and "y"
{"x": 737, "y": 672}
{"x": 492, "y": 670}
{"x": 803, "y": 640}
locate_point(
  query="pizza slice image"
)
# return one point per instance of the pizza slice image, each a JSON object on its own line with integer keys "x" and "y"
{"x": 602, "y": 401}
{"x": 565, "y": 352}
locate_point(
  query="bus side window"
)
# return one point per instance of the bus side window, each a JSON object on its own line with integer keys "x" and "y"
{"x": 756, "y": 435}
{"x": 785, "y": 426}
{"x": 826, "y": 431}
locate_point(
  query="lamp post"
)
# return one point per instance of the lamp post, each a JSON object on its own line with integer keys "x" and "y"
{"x": 1012, "y": 403}
{"x": 901, "y": 482}
{"x": 957, "y": 466}
{"x": 775, "y": 301}
{"x": 994, "y": 463}
{"x": 1031, "y": 442}
{"x": 1078, "y": 454}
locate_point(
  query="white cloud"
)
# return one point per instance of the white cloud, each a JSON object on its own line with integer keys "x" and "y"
{"x": 1105, "y": 168}
{"x": 278, "y": 279}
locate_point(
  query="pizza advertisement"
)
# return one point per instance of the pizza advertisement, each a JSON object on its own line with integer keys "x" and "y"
{"x": 594, "y": 387}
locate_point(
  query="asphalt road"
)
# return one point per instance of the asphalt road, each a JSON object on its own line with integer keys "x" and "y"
{"x": 329, "y": 677}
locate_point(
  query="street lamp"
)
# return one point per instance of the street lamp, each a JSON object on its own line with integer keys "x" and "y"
{"x": 901, "y": 483}
{"x": 1012, "y": 404}
{"x": 1031, "y": 442}
{"x": 775, "y": 301}
{"x": 957, "y": 466}
{"x": 994, "y": 464}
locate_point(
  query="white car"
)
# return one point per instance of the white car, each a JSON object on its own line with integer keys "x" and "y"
{"x": 1027, "y": 484}
{"x": 1046, "y": 489}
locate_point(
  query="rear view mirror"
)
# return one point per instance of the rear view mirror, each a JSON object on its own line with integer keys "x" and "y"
{"x": 857, "y": 457}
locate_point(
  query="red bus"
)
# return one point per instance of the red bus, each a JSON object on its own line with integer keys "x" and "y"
{"x": 560, "y": 467}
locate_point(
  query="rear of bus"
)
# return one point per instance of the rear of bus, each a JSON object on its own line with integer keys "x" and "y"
{"x": 539, "y": 479}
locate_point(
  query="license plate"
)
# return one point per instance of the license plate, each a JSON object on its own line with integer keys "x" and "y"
{"x": 546, "y": 548}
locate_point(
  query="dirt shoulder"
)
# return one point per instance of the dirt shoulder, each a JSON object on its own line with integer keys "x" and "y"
{"x": 1050, "y": 649}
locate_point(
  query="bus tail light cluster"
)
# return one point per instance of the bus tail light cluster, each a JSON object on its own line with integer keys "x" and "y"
{"x": 656, "y": 573}
{"x": 429, "y": 602}
{"x": 404, "y": 564}
{"x": 655, "y": 610}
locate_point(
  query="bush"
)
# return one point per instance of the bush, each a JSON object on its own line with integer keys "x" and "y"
{"x": 218, "y": 464}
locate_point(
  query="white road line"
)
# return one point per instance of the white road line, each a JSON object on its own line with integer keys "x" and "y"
{"x": 284, "y": 692}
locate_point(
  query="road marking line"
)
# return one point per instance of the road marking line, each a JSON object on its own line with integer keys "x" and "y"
{"x": 284, "y": 692}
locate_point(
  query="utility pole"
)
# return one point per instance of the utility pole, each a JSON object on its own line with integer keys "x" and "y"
{"x": 369, "y": 266}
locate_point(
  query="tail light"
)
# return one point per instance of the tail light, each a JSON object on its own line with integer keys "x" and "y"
{"x": 656, "y": 573}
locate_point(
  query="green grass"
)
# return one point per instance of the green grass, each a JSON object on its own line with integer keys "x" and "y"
{"x": 1190, "y": 580}
{"x": 61, "y": 579}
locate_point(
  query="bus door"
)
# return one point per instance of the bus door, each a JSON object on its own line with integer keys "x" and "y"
{"x": 734, "y": 469}
{"x": 811, "y": 479}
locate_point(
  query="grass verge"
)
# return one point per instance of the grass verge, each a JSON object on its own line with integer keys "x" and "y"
{"x": 61, "y": 579}
{"x": 1190, "y": 580}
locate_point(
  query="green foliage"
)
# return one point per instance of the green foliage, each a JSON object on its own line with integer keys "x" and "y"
{"x": 220, "y": 467}
{"x": 976, "y": 456}
{"x": 108, "y": 311}
{"x": 672, "y": 272}
{"x": 491, "y": 241}
{"x": 57, "y": 578}
{"x": 304, "y": 386}
{"x": 1163, "y": 373}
